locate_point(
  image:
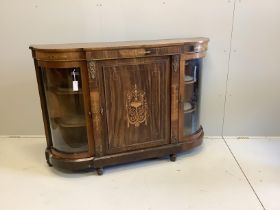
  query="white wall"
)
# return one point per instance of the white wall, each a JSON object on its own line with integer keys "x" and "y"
{"x": 253, "y": 95}
{"x": 37, "y": 21}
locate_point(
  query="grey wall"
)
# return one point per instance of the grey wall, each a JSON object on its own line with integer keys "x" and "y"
{"x": 253, "y": 97}
{"x": 251, "y": 91}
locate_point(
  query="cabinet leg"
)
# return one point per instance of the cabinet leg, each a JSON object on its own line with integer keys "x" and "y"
{"x": 49, "y": 163}
{"x": 172, "y": 157}
{"x": 48, "y": 159}
{"x": 99, "y": 171}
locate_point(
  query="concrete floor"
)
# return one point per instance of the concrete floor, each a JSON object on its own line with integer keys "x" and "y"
{"x": 232, "y": 174}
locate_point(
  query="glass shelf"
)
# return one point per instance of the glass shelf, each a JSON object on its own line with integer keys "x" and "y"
{"x": 189, "y": 82}
{"x": 188, "y": 107}
{"x": 64, "y": 91}
{"x": 188, "y": 79}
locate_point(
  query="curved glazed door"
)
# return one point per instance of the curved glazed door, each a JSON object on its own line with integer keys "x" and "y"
{"x": 190, "y": 85}
{"x": 136, "y": 93}
{"x": 65, "y": 92}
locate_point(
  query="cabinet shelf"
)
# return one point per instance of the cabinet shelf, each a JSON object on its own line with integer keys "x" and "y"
{"x": 189, "y": 80}
{"x": 188, "y": 107}
{"x": 71, "y": 121}
{"x": 64, "y": 91}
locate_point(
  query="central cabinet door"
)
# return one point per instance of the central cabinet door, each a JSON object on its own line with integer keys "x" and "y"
{"x": 137, "y": 98}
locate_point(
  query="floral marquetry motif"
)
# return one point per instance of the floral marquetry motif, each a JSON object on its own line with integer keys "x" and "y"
{"x": 137, "y": 107}
{"x": 92, "y": 69}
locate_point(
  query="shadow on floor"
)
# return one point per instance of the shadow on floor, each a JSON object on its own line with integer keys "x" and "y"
{"x": 31, "y": 158}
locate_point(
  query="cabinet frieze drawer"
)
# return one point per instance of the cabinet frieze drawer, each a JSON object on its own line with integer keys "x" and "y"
{"x": 116, "y": 53}
{"x": 169, "y": 50}
{"x": 132, "y": 53}
{"x": 59, "y": 56}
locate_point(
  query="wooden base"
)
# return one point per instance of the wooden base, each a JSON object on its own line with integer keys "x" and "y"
{"x": 99, "y": 162}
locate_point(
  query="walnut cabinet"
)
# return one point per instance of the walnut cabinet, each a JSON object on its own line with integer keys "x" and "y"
{"x": 111, "y": 103}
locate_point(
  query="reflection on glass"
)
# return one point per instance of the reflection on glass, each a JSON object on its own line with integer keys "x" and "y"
{"x": 192, "y": 96}
{"x": 63, "y": 92}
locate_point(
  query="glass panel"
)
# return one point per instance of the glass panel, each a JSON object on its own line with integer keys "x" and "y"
{"x": 192, "y": 96}
{"x": 63, "y": 92}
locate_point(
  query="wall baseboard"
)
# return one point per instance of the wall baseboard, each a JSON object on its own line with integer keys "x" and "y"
{"x": 213, "y": 137}
{"x": 21, "y": 136}
{"x": 251, "y": 137}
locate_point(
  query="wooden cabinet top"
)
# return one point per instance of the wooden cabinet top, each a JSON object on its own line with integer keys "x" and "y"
{"x": 118, "y": 45}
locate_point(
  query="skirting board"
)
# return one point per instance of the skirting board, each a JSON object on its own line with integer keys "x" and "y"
{"x": 22, "y": 136}
{"x": 251, "y": 137}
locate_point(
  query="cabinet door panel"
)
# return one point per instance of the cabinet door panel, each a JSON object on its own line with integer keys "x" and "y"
{"x": 137, "y": 96}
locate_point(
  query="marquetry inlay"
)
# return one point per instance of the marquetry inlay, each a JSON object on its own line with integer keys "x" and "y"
{"x": 137, "y": 107}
